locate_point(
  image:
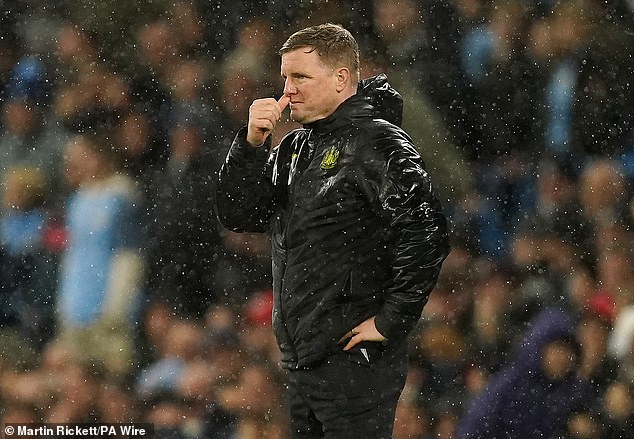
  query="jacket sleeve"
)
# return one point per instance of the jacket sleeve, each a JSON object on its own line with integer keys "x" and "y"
{"x": 244, "y": 194}
{"x": 418, "y": 234}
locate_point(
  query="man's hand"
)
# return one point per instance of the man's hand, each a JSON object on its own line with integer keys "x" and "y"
{"x": 365, "y": 331}
{"x": 263, "y": 116}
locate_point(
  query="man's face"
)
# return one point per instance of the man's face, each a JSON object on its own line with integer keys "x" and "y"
{"x": 81, "y": 162}
{"x": 310, "y": 84}
{"x": 558, "y": 359}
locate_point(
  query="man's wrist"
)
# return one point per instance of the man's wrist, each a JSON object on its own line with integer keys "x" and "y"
{"x": 254, "y": 145}
{"x": 381, "y": 326}
{"x": 248, "y": 141}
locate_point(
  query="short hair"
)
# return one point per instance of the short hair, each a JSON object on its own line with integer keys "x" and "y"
{"x": 334, "y": 44}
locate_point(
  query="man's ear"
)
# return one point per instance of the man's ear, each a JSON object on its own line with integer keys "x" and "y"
{"x": 342, "y": 78}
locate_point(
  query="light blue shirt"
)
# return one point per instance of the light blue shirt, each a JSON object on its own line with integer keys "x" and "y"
{"x": 100, "y": 222}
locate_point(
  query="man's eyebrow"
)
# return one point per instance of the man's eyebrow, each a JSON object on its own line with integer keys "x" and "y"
{"x": 296, "y": 75}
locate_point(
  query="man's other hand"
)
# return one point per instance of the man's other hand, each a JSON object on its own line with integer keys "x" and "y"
{"x": 365, "y": 331}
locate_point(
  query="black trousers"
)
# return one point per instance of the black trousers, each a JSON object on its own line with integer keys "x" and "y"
{"x": 348, "y": 395}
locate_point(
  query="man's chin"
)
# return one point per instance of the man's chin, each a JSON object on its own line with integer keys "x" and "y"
{"x": 301, "y": 118}
{"x": 295, "y": 117}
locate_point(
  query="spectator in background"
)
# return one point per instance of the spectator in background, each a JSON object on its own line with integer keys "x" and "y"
{"x": 536, "y": 393}
{"x": 30, "y": 138}
{"x": 188, "y": 26}
{"x": 23, "y": 217}
{"x": 190, "y": 103}
{"x": 27, "y": 262}
{"x": 558, "y": 209}
{"x": 102, "y": 268}
{"x": 149, "y": 84}
{"x": 115, "y": 404}
{"x": 604, "y": 194}
{"x": 76, "y": 52}
{"x": 96, "y": 100}
{"x": 500, "y": 75}
{"x": 537, "y": 280}
{"x": 585, "y": 108}
{"x": 584, "y": 423}
{"x": 255, "y": 401}
{"x": 61, "y": 389}
{"x": 223, "y": 334}
{"x": 181, "y": 345}
{"x": 492, "y": 297}
{"x": 401, "y": 31}
{"x": 255, "y": 52}
{"x": 169, "y": 415}
{"x": 596, "y": 366}
{"x": 144, "y": 149}
{"x": 157, "y": 315}
{"x": 158, "y": 48}
{"x": 75, "y": 392}
{"x": 618, "y": 410}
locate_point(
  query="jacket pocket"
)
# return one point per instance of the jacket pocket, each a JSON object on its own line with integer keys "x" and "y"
{"x": 366, "y": 353}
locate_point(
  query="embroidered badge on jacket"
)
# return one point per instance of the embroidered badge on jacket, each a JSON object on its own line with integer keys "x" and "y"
{"x": 330, "y": 158}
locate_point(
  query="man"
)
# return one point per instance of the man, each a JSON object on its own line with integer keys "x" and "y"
{"x": 358, "y": 238}
{"x": 535, "y": 394}
{"x": 102, "y": 268}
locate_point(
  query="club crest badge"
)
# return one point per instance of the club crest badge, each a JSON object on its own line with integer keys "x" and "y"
{"x": 330, "y": 158}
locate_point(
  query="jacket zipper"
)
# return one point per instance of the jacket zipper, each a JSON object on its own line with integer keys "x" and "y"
{"x": 285, "y": 239}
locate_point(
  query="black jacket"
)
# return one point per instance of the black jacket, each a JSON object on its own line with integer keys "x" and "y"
{"x": 355, "y": 228}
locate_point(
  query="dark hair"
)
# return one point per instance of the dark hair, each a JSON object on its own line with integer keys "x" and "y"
{"x": 334, "y": 44}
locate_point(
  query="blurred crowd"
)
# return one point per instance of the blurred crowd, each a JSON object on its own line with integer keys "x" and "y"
{"x": 122, "y": 299}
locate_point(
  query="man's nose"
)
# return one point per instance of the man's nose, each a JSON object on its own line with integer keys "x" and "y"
{"x": 289, "y": 87}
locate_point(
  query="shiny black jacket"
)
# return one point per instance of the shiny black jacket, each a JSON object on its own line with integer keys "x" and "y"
{"x": 356, "y": 230}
